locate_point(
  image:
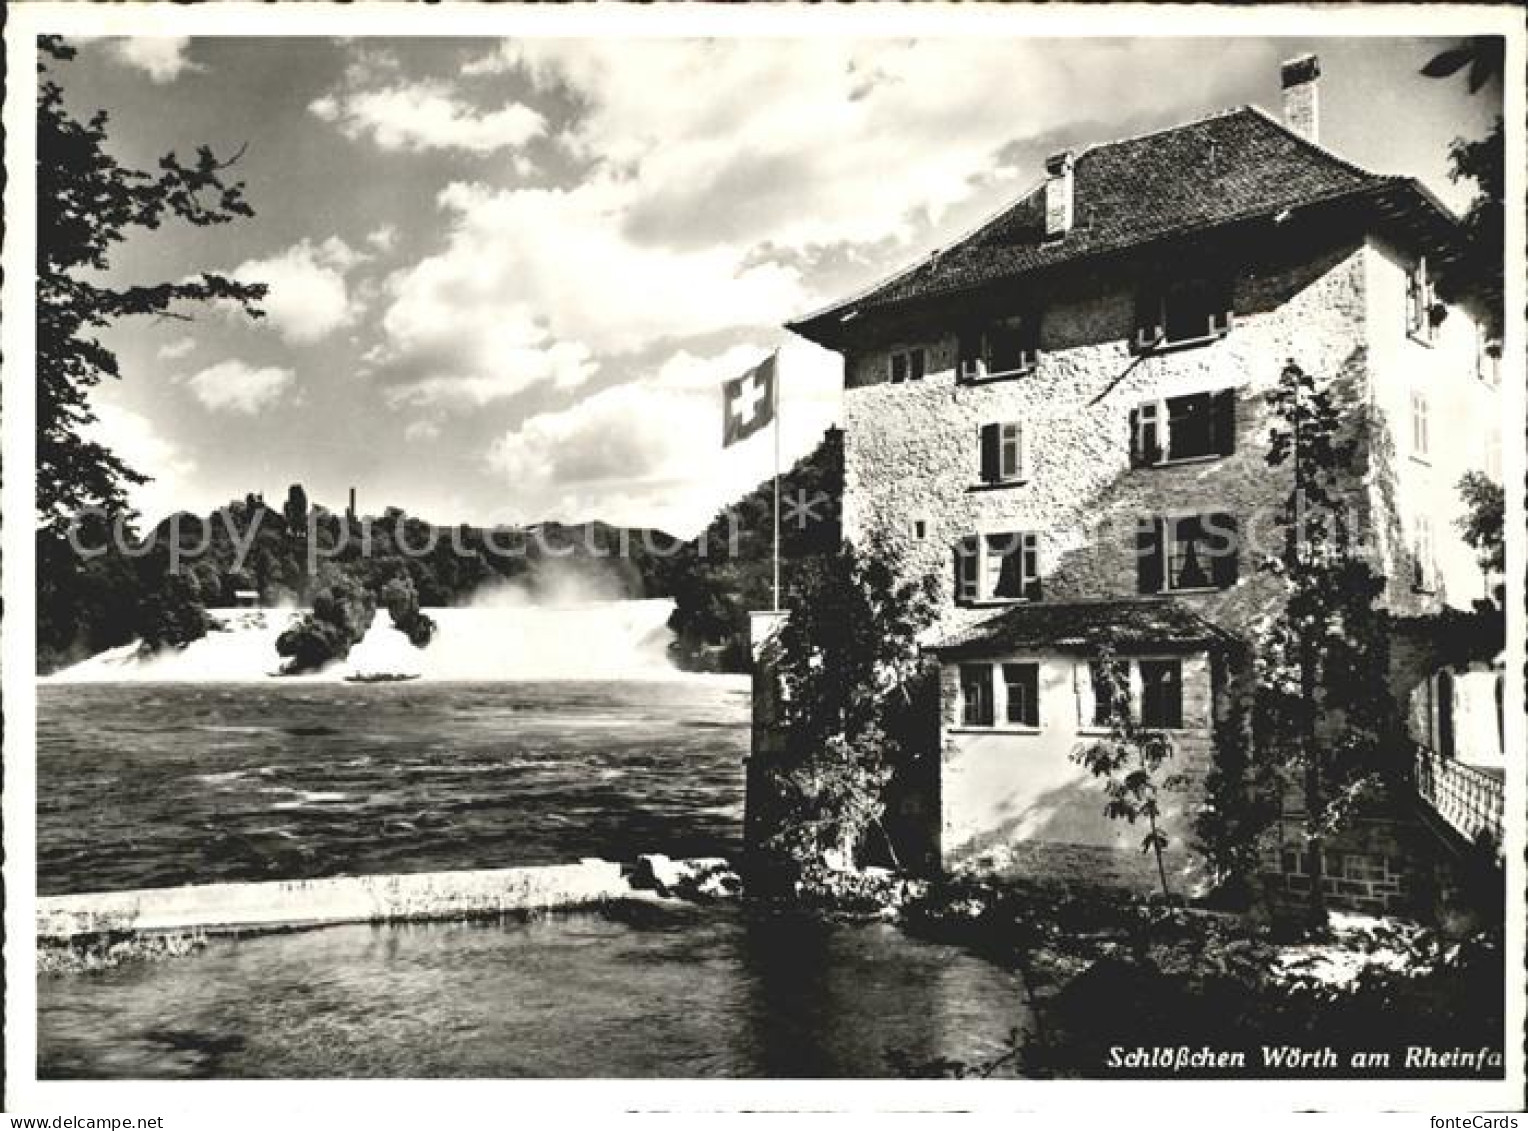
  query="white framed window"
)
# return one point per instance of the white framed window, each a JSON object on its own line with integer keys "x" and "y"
{"x": 907, "y": 365}
{"x": 1183, "y": 312}
{"x": 1197, "y": 426}
{"x": 1009, "y": 347}
{"x": 1420, "y": 300}
{"x": 978, "y": 706}
{"x": 1004, "y": 695}
{"x": 1424, "y": 563}
{"x": 1004, "y": 453}
{"x": 1421, "y": 425}
{"x": 993, "y": 568}
{"x": 1188, "y": 553}
{"x": 1148, "y": 691}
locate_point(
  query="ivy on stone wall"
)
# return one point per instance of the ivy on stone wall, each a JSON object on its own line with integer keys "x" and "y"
{"x": 847, "y": 661}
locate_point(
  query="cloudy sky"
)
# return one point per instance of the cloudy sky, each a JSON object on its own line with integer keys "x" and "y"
{"x": 508, "y": 277}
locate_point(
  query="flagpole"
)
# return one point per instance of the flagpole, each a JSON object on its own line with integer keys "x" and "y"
{"x": 776, "y": 384}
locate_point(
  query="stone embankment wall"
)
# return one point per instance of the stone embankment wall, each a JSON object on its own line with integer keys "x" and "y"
{"x": 214, "y": 908}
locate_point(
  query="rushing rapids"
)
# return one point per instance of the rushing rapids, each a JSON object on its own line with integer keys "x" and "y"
{"x": 500, "y": 641}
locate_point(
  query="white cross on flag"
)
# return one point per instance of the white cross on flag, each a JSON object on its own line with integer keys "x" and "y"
{"x": 748, "y": 402}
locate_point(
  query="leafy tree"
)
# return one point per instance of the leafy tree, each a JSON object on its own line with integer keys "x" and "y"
{"x": 171, "y": 615}
{"x": 1484, "y": 525}
{"x": 1477, "y": 274}
{"x": 1128, "y": 761}
{"x": 1484, "y": 55}
{"x": 1322, "y": 707}
{"x": 718, "y": 577}
{"x": 845, "y": 660}
{"x": 87, "y": 204}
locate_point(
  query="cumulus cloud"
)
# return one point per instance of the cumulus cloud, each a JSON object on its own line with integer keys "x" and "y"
{"x": 178, "y": 348}
{"x": 163, "y": 58}
{"x": 421, "y": 115}
{"x": 308, "y": 296}
{"x": 649, "y": 451}
{"x": 533, "y": 285}
{"x": 799, "y": 143}
{"x": 172, "y": 483}
{"x": 233, "y": 386}
{"x": 383, "y": 238}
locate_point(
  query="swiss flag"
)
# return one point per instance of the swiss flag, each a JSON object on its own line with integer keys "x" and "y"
{"x": 748, "y": 402}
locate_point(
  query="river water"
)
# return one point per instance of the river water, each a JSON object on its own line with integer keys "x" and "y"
{"x": 153, "y": 784}
{"x": 677, "y": 991}
{"x": 145, "y": 783}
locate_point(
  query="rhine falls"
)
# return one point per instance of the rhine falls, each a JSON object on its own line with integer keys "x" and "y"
{"x": 521, "y": 641}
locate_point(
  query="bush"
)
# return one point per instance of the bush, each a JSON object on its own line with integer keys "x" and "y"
{"x": 401, "y": 600}
{"x": 342, "y": 612}
{"x": 170, "y": 615}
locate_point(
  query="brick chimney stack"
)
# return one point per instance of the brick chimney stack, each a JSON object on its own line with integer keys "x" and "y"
{"x": 1058, "y": 195}
{"x": 1302, "y": 110}
{"x": 350, "y": 510}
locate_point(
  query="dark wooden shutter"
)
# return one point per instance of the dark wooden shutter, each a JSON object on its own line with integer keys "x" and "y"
{"x": 1148, "y": 548}
{"x": 1137, "y": 456}
{"x": 992, "y": 454}
{"x": 1225, "y": 421}
{"x": 966, "y": 570}
{"x": 1030, "y": 562}
{"x": 1225, "y": 550}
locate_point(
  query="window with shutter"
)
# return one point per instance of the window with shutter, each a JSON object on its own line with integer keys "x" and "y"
{"x": 991, "y": 459}
{"x": 1194, "y": 553}
{"x": 1003, "y": 455}
{"x": 1181, "y": 429}
{"x": 1013, "y": 564}
{"x": 1010, "y": 452}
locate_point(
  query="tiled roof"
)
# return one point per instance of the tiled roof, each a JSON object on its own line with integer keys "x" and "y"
{"x": 1235, "y": 166}
{"x": 1086, "y": 626}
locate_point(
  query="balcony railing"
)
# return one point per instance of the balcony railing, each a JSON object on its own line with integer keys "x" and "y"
{"x": 1467, "y": 798}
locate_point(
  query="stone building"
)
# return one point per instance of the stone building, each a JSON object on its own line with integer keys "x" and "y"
{"x": 1061, "y": 416}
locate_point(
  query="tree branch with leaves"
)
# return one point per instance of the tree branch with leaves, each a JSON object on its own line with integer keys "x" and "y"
{"x": 87, "y": 204}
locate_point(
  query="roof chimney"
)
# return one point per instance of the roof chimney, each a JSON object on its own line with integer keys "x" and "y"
{"x": 1058, "y": 195}
{"x": 1302, "y": 111}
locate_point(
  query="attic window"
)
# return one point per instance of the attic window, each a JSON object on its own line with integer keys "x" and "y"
{"x": 907, "y": 365}
{"x": 1183, "y": 312}
{"x": 1009, "y": 347}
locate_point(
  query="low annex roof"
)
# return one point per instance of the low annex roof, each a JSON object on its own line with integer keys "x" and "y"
{"x": 1232, "y": 167}
{"x": 1087, "y": 626}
